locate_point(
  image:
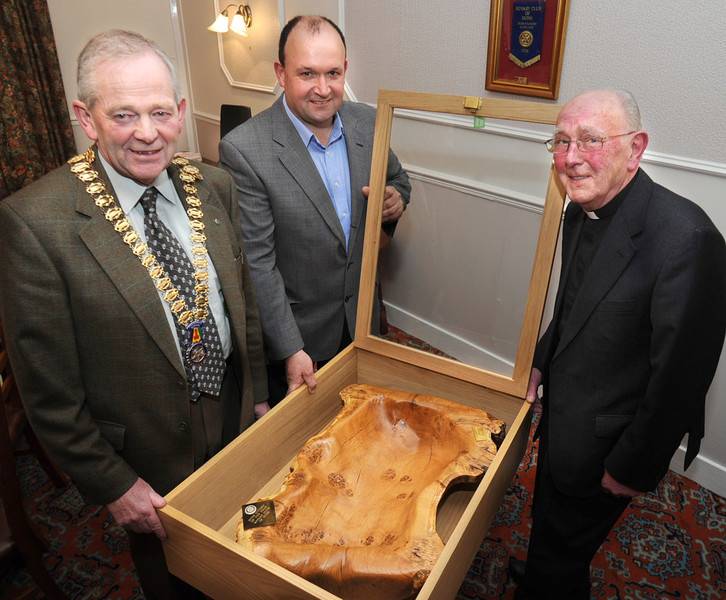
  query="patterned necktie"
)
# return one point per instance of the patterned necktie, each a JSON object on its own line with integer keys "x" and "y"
{"x": 206, "y": 376}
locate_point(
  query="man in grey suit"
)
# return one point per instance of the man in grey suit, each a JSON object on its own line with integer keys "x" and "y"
{"x": 302, "y": 168}
{"x": 127, "y": 305}
{"x": 632, "y": 348}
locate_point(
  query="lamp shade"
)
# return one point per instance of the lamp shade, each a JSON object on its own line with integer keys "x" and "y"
{"x": 221, "y": 24}
{"x": 238, "y": 24}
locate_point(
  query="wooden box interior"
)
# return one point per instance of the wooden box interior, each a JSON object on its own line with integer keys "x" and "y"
{"x": 203, "y": 511}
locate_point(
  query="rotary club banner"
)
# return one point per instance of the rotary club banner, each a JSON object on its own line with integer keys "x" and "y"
{"x": 527, "y": 32}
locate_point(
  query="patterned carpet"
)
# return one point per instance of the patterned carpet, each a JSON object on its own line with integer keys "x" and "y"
{"x": 668, "y": 544}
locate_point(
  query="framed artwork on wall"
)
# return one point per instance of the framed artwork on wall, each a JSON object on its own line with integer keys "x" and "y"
{"x": 526, "y": 45}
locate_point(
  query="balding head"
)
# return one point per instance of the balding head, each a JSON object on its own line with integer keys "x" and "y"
{"x": 614, "y": 101}
{"x": 310, "y": 24}
{"x": 606, "y": 144}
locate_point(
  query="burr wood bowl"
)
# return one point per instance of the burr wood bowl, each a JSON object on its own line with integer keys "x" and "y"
{"x": 356, "y": 515}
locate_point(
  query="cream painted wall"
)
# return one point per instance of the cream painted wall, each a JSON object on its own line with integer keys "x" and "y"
{"x": 669, "y": 54}
{"x": 76, "y": 21}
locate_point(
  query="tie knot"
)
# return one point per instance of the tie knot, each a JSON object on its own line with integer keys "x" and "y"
{"x": 148, "y": 200}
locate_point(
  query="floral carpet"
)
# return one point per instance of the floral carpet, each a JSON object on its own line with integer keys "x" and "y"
{"x": 667, "y": 544}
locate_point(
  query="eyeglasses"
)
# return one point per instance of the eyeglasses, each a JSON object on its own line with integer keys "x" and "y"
{"x": 588, "y": 143}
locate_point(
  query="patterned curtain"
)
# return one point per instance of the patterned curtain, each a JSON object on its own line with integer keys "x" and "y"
{"x": 35, "y": 128}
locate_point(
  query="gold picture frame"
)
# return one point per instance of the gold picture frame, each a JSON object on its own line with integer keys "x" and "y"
{"x": 526, "y": 46}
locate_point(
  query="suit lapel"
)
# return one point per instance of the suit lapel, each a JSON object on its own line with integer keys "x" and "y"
{"x": 295, "y": 157}
{"x": 359, "y": 155}
{"x": 613, "y": 256}
{"x": 127, "y": 273}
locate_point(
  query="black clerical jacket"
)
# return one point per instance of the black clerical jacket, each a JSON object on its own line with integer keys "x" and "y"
{"x": 627, "y": 374}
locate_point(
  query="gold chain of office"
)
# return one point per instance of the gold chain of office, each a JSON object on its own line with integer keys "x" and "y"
{"x": 81, "y": 167}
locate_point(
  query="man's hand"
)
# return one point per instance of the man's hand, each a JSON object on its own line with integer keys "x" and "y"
{"x": 616, "y": 488}
{"x": 300, "y": 369}
{"x": 136, "y": 509}
{"x": 393, "y": 204}
{"x": 261, "y": 409}
{"x": 535, "y": 379}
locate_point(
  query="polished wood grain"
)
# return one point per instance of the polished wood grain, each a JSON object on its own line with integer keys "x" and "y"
{"x": 224, "y": 570}
{"x": 356, "y": 514}
{"x": 203, "y": 511}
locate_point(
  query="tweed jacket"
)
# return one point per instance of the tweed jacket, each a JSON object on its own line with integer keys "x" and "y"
{"x": 96, "y": 363}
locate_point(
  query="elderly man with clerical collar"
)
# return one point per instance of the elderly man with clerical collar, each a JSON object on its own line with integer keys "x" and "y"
{"x": 126, "y": 300}
{"x": 632, "y": 348}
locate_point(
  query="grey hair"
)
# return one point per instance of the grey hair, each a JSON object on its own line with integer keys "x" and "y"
{"x": 630, "y": 108}
{"x": 111, "y": 45}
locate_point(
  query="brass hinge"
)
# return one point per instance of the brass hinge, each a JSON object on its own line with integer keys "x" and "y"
{"x": 472, "y": 103}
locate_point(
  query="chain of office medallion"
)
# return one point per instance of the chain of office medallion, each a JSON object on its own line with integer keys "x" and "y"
{"x": 81, "y": 167}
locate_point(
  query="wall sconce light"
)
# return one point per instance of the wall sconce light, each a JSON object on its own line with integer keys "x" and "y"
{"x": 241, "y": 20}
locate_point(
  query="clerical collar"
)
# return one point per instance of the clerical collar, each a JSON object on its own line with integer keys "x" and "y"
{"x": 609, "y": 209}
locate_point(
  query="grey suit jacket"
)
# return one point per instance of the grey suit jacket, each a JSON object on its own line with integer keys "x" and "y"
{"x": 95, "y": 360}
{"x": 306, "y": 281}
{"x": 628, "y": 376}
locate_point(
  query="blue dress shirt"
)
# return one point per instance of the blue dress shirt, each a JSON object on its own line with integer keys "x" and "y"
{"x": 331, "y": 162}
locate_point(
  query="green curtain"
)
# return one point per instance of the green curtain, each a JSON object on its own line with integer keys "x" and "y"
{"x": 35, "y": 128}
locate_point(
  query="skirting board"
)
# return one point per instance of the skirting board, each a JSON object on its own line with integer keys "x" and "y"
{"x": 703, "y": 470}
{"x": 446, "y": 341}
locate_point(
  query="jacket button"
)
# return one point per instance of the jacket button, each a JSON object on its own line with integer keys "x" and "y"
{"x": 348, "y": 297}
{"x": 183, "y": 426}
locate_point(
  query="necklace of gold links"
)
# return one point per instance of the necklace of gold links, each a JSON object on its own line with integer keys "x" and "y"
{"x": 81, "y": 167}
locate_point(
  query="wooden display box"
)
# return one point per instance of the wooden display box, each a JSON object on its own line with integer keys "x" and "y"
{"x": 202, "y": 512}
